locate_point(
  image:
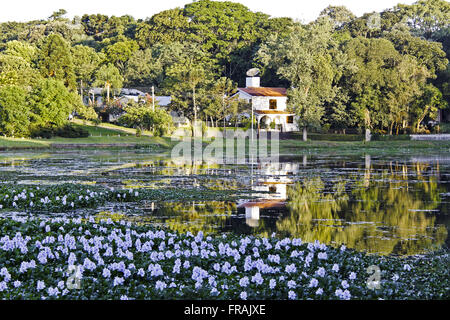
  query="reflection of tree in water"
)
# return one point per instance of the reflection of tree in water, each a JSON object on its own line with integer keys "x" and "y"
{"x": 195, "y": 216}
{"x": 385, "y": 218}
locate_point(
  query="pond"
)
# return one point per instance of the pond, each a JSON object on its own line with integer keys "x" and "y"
{"x": 378, "y": 204}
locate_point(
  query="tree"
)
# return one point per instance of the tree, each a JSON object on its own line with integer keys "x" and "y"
{"x": 427, "y": 104}
{"x": 425, "y": 17}
{"x": 158, "y": 121}
{"x": 119, "y": 53}
{"x": 228, "y": 31}
{"x": 58, "y": 14}
{"x": 191, "y": 75}
{"x": 187, "y": 78}
{"x": 108, "y": 76}
{"x": 223, "y": 103}
{"x": 14, "y": 111}
{"x": 427, "y": 53}
{"x": 165, "y": 27}
{"x": 339, "y": 15}
{"x": 384, "y": 83}
{"x": 95, "y": 25}
{"x": 55, "y": 60}
{"x": 51, "y": 103}
{"x": 304, "y": 59}
{"x": 85, "y": 60}
{"x": 21, "y": 49}
{"x": 17, "y": 71}
{"x": 140, "y": 70}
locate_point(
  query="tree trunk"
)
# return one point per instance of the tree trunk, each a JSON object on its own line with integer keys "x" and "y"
{"x": 81, "y": 91}
{"x": 223, "y": 104}
{"x": 194, "y": 124}
{"x": 305, "y": 134}
{"x": 368, "y": 135}
{"x": 391, "y": 128}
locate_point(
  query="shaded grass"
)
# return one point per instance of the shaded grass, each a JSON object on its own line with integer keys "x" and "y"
{"x": 99, "y": 135}
{"x": 384, "y": 147}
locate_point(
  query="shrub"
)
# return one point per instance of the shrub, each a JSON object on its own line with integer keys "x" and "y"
{"x": 42, "y": 132}
{"x": 71, "y": 131}
{"x": 66, "y": 131}
{"x": 159, "y": 122}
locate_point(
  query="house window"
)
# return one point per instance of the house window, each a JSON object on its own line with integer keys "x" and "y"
{"x": 272, "y": 104}
{"x": 290, "y": 119}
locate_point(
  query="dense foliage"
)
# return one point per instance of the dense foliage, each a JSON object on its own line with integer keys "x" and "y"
{"x": 92, "y": 258}
{"x": 385, "y": 71}
{"x": 143, "y": 117}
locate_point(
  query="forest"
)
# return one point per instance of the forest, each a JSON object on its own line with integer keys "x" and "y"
{"x": 384, "y": 71}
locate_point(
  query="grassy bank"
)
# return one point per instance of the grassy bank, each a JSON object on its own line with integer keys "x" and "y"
{"x": 372, "y": 147}
{"x": 110, "y": 135}
{"x": 103, "y": 135}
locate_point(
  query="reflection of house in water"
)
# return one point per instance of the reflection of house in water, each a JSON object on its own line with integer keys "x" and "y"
{"x": 271, "y": 189}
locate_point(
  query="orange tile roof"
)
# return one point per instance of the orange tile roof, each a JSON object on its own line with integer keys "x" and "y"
{"x": 272, "y": 112}
{"x": 265, "y": 91}
{"x": 262, "y": 204}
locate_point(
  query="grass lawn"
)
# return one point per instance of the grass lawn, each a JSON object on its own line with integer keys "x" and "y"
{"x": 104, "y": 134}
{"x": 376, "y": 147}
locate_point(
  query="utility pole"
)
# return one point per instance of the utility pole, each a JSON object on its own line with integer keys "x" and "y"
{"x": 153, "y": 98}
{"x": 107, "y": 91}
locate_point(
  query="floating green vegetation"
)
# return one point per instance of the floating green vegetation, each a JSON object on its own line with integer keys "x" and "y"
{"x": 128, "y": 261}
{"x": 62, "y": 197}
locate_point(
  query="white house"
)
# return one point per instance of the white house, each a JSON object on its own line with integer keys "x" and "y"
{"x": 269, "y": 105}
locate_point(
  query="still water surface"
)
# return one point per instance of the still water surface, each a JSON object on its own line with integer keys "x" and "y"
{"x": 386, "y": 205}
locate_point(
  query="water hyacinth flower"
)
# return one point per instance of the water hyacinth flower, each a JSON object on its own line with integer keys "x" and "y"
{"x": 243, "y": 282}
{"x": 272, "y": 283}
{"x": 292, "y": 295}
{"x": 352, "y": 276}
{"x": 320, "y": 272}
{"x": 243, "y": 295}
{"x": 322, "y": 255}
{"x": 313, "y": 283}
{"x": 118, "y": 281}
{"x": 40, "y": 285}
{"x": 319, "y": 291}
{"x": 344, "y": 284}
{"x": 290, "y": 268}
{"x": 257, "y": 278}
{"x": 160, "y": 285}
{"x": 106, "y": 273}
{"x": 407, "y": 267}
{"x": 291, "y": 284}
{"x": 335, "y": 267}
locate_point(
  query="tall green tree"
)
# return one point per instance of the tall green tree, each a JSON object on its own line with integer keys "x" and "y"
{"x": 85, "y": 60}
{"x": 119, "y": 53}
{"x": 51, "y": 103}
{"x": 14, "y": 111}
{"x": 223, "y": 102}
{"x": 109, "y": 77}
{"x": 165, "y": 27}
{"x": 304, "y": 59}
{"x": 55, "y": 60}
